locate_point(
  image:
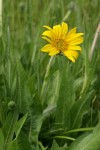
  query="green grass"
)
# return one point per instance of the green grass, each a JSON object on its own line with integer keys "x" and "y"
{"x": 48, "y": 103}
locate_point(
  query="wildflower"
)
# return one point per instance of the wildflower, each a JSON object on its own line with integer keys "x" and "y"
{"x": 62, "y": 41}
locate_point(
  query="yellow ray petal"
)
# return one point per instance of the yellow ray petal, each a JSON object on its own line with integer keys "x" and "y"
{"x": 73, "y": 53}
{"x": 47, "y": 48}
{"x": 53, "y": 52}
{"x": 64, "y": 28}
{"x": 72, "y": 31}
{"x": 47, "y": 39}
{"x": 77, "y": 41}
{"x": 57, "y": 30}
{"x": 69, "y": 56}
{"x": 74, "y": 47}
{"x": 73, "y": 36}
{"x": 47, "y": 33}
{"x": 48, "y": 28}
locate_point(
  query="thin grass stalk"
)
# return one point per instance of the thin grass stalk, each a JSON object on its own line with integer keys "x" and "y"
{"x": 0, "y": 18}
{"x": 94, "y": 42}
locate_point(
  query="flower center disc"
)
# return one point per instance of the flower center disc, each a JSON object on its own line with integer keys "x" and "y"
{"x": 61, "y": 45}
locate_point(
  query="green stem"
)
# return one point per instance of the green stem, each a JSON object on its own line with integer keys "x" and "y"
{"x": 10, "y": 130}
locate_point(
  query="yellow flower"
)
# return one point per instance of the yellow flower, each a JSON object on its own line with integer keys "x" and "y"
{"x": 62, "y": 41}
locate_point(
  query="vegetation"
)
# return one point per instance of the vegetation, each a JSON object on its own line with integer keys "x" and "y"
{"x": 48, "y": 103}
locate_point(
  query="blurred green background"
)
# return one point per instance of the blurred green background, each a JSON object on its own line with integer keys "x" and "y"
{"x": 68, "y": 108}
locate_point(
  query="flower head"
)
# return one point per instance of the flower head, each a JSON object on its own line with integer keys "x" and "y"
{"x": 62, "y": 41}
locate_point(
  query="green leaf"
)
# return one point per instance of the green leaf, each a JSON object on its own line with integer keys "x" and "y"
{"x": 55, "y": 146}
{"x": 80, "y": 108}
{"x": 80, "y": 130}
{"x": 53, "y": 82}
{"x": 66, "y": 98}
{"x": 49, "y": 111}
{"x": 9, "y": 127}
{"x": 36, "y": 120}
{"x": 20, "y": 143}
{"x": 23, "y": 95}
{"x": 64, "y": 137}
{"x": 88, "y": 141}
{"x": 41, "y": 146}
{"x": 19, "y": 125}
{"x": 1, "y": 139}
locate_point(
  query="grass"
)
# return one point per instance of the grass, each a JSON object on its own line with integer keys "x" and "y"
{"x": 46, "y": 104}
